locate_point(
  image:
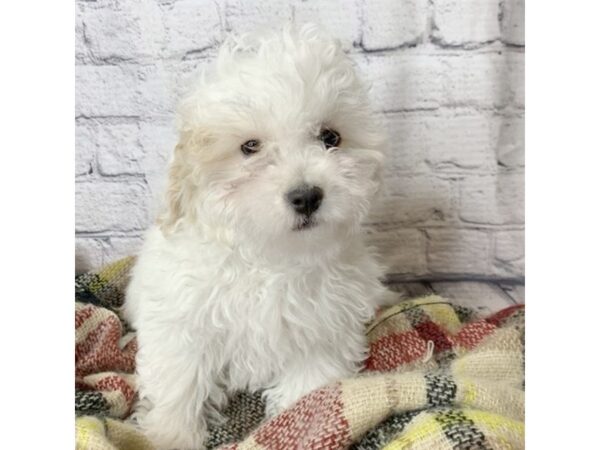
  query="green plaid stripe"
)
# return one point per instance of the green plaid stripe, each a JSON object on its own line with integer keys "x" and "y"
{"x": 460, "y": 430}
{"x": 464, "y": 314}
{"x": 91, "y": 288}
{"x": 90, "y": 403}
{"x": 244, "y": 411}
{"x": 385, "y": 432}
{"x": 416, "y": 315}
{"x": 441, "y": 390}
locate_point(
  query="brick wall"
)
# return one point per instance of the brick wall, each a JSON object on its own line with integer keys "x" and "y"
{"x": 447, "y": 78}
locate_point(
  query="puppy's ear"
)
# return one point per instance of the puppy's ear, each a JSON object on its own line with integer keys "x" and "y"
{"x": 180, "y": 189}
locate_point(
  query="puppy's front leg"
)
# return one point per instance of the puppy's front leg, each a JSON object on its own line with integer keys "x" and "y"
{"x": 175, "y": 387}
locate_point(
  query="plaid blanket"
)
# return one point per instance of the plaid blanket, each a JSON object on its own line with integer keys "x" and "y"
{"x": 437, "y": 377}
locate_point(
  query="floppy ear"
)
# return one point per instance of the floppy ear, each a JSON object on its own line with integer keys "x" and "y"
{"x": 191, "y": 158}
{"x": 180, "y": 188}
{"x": 173, "y": 209}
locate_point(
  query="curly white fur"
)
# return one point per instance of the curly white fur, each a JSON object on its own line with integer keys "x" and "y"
{"x": 228, "y": 293}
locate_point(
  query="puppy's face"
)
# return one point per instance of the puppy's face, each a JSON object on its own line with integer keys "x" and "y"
{"x": 278, "y": 144}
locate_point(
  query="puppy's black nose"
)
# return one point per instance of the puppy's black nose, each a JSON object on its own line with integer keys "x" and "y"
{"x": 305, "y": 199}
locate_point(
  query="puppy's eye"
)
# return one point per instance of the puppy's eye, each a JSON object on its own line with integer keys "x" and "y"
{"x": 250, "y": 147}
{"x": 330, "y": 138}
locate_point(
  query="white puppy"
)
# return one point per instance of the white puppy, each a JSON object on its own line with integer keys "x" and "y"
{"x": 256, "y": 275}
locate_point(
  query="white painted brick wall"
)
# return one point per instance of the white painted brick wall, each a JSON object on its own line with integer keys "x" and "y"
{"x": 512, "y": 22}
{"x": 446, "y": 76}
{"x": 107, "y": 206}
{"x": 392, "y": 24}
{"x": 466, "y": 22}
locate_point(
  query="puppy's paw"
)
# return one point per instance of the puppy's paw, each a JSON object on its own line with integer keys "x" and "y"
{"x": 141, "y": 408}
{"x": 215, "y": 418}
{"x": 273, "y": 403}
{"x": 272, "y": 409}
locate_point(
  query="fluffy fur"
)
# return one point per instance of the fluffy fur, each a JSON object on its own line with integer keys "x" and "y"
{"x": 228, "y": 293}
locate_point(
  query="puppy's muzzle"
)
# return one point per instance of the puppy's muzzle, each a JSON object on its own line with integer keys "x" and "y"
{"x": 305, "y": 200}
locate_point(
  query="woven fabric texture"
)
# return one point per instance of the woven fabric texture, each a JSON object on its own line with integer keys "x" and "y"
{"x": 437, "y": 377}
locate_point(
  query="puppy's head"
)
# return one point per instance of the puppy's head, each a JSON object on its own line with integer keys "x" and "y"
{"x": 277, "y": 144}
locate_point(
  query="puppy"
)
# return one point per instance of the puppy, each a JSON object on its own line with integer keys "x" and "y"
{"x": 256, "y": 276}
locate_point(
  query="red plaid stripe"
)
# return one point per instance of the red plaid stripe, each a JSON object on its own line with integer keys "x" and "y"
{"x": 504, "y": 314}
{"x": 100, "y": 351}
{"x": 472, "y": 334}
{"x": 389, "y": 352}
{"x": 316, "y": 422}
